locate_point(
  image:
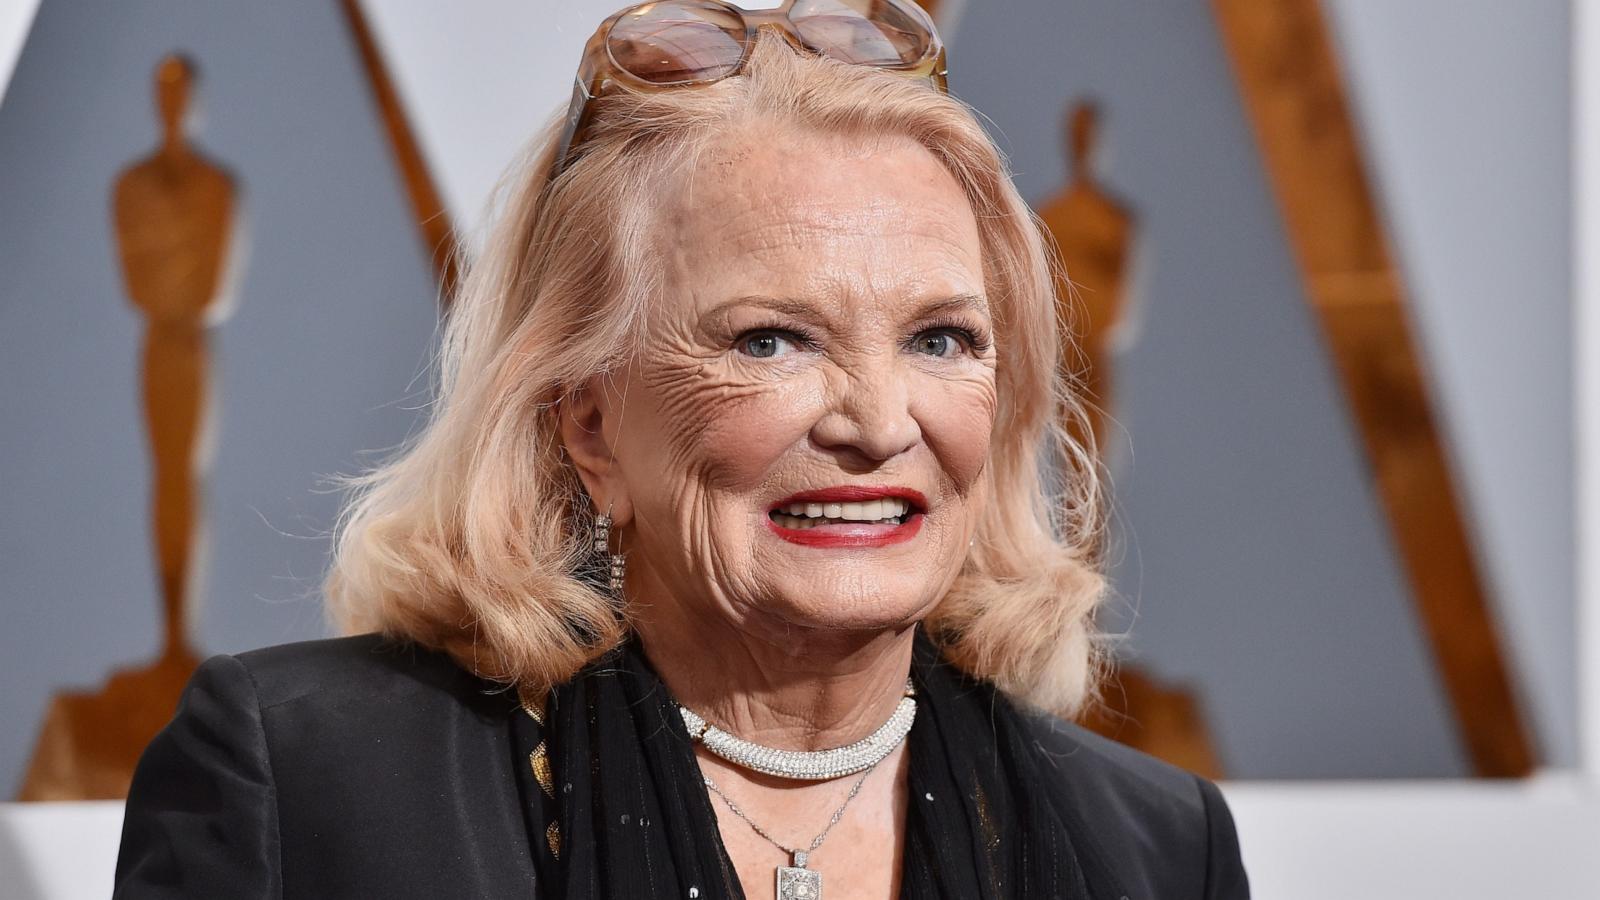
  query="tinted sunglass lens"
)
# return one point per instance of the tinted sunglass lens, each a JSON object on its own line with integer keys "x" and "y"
{"x": 677, "y": 42}
{"x": 866, "y": 32}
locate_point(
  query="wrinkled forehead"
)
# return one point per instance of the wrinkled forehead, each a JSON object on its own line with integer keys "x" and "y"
{"x": 817, "y": 214}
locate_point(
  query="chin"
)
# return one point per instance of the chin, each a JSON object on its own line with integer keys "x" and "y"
{"x": 856, "y": 608}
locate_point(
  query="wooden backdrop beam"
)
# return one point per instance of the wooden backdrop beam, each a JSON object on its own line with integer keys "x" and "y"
{"x": 1289, "y": 77}
{"x": 432, "y": 218}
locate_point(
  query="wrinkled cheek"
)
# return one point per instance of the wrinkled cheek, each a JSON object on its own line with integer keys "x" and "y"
{"x": 735, "y": 441}
{"x": 971, "y": 458}
{"x": 960, "y": 425}
{"x": 707, "y": 444}
{"x": 718, "y": 452}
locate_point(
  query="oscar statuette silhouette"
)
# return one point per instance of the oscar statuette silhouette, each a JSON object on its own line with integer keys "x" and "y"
{"x": 174, "y": 217}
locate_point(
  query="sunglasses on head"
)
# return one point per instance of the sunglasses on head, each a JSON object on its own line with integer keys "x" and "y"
{"x": 681, "y": 43}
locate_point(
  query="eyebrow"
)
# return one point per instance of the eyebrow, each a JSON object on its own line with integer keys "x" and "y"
{"x": 792, "y": 306}
{"x": 977, "y": 303}
{"x": 801, "y": 309}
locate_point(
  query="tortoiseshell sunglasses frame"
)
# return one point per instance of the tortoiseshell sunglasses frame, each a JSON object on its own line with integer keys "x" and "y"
{"x": 599, "y": 73}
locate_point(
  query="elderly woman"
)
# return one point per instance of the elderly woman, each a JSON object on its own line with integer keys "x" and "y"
{"x": 725, "y": 566}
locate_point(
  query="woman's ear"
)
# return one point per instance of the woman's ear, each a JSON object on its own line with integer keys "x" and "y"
{"x": 585, "y": 415}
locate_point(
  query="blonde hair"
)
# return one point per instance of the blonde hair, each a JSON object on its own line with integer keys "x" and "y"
{"x": 469, "y": 538}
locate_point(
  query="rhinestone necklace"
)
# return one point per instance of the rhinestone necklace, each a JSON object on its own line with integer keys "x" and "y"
{"x": 808, "y": 765}
{"x": 796, "y": 882}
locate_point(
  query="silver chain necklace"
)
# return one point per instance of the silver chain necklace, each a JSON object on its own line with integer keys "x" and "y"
{"x": 796, "y": 882}
{"x": 809, "y": 765}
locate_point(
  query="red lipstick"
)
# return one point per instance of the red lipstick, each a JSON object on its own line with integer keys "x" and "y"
{"x": 851, "y": 534}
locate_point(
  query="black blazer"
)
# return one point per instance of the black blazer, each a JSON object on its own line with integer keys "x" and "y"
{"x": 357, "y": 768}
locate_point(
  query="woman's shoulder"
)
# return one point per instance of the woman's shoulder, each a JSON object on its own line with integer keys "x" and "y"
{"x": 361, "y": 670}
{"x": 1151, "y": 819}
{"x": 329, "y": 712}
{"x": 326, "y": 706}
{"x": 1099, "y": 764}
{"x": 274, "y": 754}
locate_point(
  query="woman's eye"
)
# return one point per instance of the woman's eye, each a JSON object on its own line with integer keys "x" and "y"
{"x": 937, "y": 343}
{"x": 766, "y": 344}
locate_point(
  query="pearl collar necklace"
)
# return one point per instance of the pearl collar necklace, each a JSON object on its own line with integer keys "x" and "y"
{"x": 809, "y": 765}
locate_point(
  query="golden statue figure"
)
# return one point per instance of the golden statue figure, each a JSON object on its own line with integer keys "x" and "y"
{"x": 173, "y": 213}
{"x": 1095, "y": 234}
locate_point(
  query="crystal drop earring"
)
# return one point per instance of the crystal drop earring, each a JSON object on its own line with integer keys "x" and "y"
{"x": 615, "y": 564}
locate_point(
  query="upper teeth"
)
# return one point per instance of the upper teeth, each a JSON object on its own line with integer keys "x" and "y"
{"x": 869, "y": 511}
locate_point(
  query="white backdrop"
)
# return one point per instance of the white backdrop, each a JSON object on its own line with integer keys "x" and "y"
{"x": 15, "y": 17}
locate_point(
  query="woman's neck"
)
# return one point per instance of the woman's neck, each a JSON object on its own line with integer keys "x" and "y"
{"x": 808, "y": 689}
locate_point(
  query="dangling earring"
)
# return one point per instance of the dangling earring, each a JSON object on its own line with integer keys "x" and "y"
{"x": 615, "y": 564}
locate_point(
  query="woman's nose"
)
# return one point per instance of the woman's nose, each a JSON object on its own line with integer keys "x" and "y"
{"x": 869, "y": 416}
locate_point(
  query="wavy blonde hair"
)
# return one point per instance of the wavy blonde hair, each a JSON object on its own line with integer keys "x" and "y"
{"x": 469, "y": 537}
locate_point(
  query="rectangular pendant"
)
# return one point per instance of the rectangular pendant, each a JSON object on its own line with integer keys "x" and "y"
{"x": 799, "y": 884}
